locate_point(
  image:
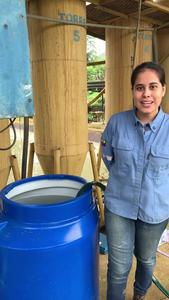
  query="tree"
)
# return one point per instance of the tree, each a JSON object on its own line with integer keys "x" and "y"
{"x": 91, "y": 49}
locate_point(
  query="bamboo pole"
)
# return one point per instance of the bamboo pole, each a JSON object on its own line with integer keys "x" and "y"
{"x": 57, "y": 161}
{"x": 96, "y": 178}
{"x": 97, "y": 97}
{"x": 31, "y": 159}
{"x": 15, "y": 167}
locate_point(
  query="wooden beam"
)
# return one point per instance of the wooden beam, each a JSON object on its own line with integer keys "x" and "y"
{"x": 134, "y": 16}
{"x": 97, "y": 97}
{"x": 102, "y": 2}
{"x": 157, "y": 6}
{"x": 149, "y": 20}
{"x": 111, "y": 11}
{"x": 146, "y": 18}
{"x": 146, "y": 11}
{"x": 93, "y": 1}
{"x": 96, "y": 63}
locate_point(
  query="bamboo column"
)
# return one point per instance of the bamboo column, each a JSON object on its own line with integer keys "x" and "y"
{"x": 120, "y": 45}
{"x": 163, "y": 57}
{"x": 5, "y": 164}
{"x": 58, "y": 54}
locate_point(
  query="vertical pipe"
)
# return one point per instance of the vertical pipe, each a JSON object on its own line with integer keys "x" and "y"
{"x": 25, "y": 147}
{"x": 155, "y": 46}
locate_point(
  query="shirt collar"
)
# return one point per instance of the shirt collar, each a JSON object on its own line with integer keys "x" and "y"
{"x": 154, "y": 125}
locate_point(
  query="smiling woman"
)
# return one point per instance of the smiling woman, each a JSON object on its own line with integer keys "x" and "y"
{"x": 135, "y": 147}
{"x": 148, "y": 88}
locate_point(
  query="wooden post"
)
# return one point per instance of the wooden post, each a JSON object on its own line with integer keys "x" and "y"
{"x": 4, "y": 155}
{"x": 31, "y": 159}
{"x": 57, "y": 161}
{"x": 15, "y": 167}
{"x": 96, "y": 178}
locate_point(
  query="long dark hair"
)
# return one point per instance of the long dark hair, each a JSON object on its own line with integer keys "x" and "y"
{"x": 151, "y": 66}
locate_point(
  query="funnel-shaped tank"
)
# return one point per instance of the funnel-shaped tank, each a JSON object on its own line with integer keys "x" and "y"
{"x": 58, "y": 54}
{"x": 163, "y": 58}
{"x": 121, "y": 56}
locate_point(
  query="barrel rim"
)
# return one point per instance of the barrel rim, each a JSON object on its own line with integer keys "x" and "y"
{"x": 56, "y": 212}
{"x": 12, "y": 185}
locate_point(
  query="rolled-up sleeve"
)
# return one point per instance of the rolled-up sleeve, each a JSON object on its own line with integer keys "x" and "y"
{"x": 106, "y": 144}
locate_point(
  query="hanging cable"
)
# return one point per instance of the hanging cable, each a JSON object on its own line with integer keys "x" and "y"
{"x": 11, "y": 121}
{"x": 11, "y": 124}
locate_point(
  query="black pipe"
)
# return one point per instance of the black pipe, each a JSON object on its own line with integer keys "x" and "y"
{"x": 25, "y": 147}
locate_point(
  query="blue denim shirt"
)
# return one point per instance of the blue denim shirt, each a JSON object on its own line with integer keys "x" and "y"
{"x": 137, "y": 158}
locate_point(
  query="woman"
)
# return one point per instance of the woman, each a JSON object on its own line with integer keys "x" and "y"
{"x": 135, "y": 147}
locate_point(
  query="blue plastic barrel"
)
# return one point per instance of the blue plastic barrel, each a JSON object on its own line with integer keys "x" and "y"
{"x": 48, "y": 240}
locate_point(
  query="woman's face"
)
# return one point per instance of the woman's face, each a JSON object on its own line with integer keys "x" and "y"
{"x": 147, "y": 94}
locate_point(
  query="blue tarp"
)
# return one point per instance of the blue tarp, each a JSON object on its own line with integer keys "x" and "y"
{"x": 15, "y": 76}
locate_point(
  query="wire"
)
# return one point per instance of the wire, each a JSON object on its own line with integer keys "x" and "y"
{"x": 14, "y": 134}
{"x": 11, "y": 121}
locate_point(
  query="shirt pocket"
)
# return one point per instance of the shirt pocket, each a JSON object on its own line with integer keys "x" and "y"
{"x": 158, "y": 164}
{"x": 123, "y": 155}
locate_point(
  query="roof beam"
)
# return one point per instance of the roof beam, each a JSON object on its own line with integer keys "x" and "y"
{"x": 147, "y": 11}
{"x": 157, "y": 6}
{"x": 146, "y": 18}
{"x": 111, "y": 11}
{"x": 135, "y": 16}
{"x": 93, "y": 1}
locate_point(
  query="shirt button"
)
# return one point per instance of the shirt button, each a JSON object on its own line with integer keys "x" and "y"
{"x": 154, "y": 127}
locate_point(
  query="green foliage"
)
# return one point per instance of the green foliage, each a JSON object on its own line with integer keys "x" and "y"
{"x": 94, "y": 72}
{"x": 91, "y": 95}
{"x": 91, "y": 49}
{"x": 90, "y": 117}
